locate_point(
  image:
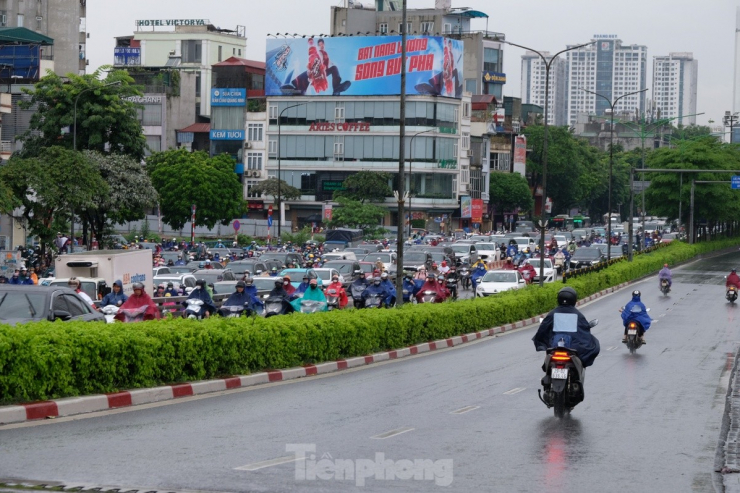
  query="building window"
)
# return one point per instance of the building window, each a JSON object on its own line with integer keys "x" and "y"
{"x": 220, "y": 53}
{"x": 20, "y": 20}
{"x": 457, "y": 115}
{"x": 240, "y": 52}
{"x": 383, "y": 28}
{"x": 492, "y": 60}
{"x": 466, "y": 110}
{"x": 192, "y": 51}
{"x": 272, "y": 147}
{"x": 339, "y": 114}
{"x": 408, "y": 28}
{"x": 465, "y": 140}
{"x": 454, "y": 151}
{"x": 471, "y": 86}
{"x": 447, "y": 28}
{"x": 427, "y": 27}
{"x": 254, "y": 160}
{"x": 338, "y": 146}
{"x": 250, "y": 185}
{"x": 273, "y": 113}
{"x": 153, "y": 144}
{"x": 254, "y": 132}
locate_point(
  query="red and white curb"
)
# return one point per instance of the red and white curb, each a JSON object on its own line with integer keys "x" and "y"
{"x": 93, "y": 403}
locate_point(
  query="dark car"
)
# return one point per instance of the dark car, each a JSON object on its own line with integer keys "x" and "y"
{"x": 350, "y": 269}
{"x": 212, "y": 276}
{"x": 586, "y": 257}
{"x": 254, "y": 267}
{"x": 284, "y": 257}
{"x": 414, "y": 259}
{"x": 19, "y": 304}
{"x": 200, "y": 264}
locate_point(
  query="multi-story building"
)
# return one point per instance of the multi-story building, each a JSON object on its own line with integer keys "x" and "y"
{"x": 609, "y": 68}
{"x": 533, "y": 83}
{"x": 64, "y": 21}
{"x": 674, "y": 87}
{"x": 187, "y": 44}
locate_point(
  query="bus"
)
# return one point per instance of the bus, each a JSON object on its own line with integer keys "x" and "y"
{"x": 581, "y": 222}
{"x": 562, "y": 222}
{"x": 615, "y": 219}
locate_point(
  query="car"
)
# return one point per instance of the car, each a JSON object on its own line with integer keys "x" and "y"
{"x": 94, "y": 287}
{"x": 668, "y": 237}
{"x": 362, "y": 250}
{"x": 186, "y": 280}
{"x": 616, "y": 251}
{"x": 146, "y": 245}
{"x": 599, "y": 232}
{"x": 415, "y": 259}
{"x": 181, "y": 269}
{"x": 296, "y": 276}
{"x": 550, "y": 273}
{"x": 465, "y": 252}
{"x": 156, "y": 271}
{"x": 587, "y": 257}
{"x": 562, "y": 240}
{"x": 580, "y": 233}
{"x": 174, "y": 256}
{"x": 200, "y": 264}
{"x": 21, "y": 304}
{"x": 343, "y": 255}
{"x": 524, "y": 241}
{"x": 212, "y": 276}
{"x": 224, "y": 287}
{"x": 264, "y": 284}
{"x": 325, "y": 274}
{"x": 488, "y": 251}
{"x": 348, "y": 269}
{"x": 367, "y": 269}
{"x": 388, "y": 259}
{"x": 482, "y": 238}
{"x": 284, "y": 258}
{"x": 497, "y": 281}
{"x": 254, "y": 267}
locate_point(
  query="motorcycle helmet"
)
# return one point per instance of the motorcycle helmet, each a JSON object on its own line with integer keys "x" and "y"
{"x": 335, "y": 278}
{"x": 567, "y": 297}
{"x": 440, "y": 278}
{"x": 734, "y": 271}
{"x": 384, "y": 276}
{"x": 278, "y": 284}
{"x": 136, "y": 285}
{"x": 376, "y": 280}
{"x": 249, "y": 281}
{"x": 170, "y": 285}
{"x": 73, "y": 283}
{"x": 200, "y": 283}
{"x": 636, "y": 294}
{"x": 274, "y": 269}
{"x": 240, "y": 284}
{"x": 430, "y": 276}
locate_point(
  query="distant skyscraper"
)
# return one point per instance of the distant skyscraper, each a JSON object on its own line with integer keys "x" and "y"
{"x": 607, "y": 68}
{"x": 674, "y": 87}
{"x": 533, "y": 85}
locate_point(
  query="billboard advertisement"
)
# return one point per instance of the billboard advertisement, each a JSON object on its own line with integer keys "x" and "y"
{"x": 466, "y": 207}
{"x": 476, "y": 214}
{"x": 364, "y": 66}
{"x": 520, "y": 154}
{"x": 228, "y": 97}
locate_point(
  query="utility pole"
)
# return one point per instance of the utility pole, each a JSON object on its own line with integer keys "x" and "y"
{"x": 400, "y": 194}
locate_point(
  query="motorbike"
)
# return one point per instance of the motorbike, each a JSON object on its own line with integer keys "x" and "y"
{"x": 234, "y": 311}
{"x": 356, "y": 293}
{"x": 562, "y": 386}
{"x": 664, "y": 287}
{"x": 275, "y": 305}
{"x": 332, "y": 299}
{"x": 133, "y": 314}
{"x": 429, "y": 296}
{"x": 731, "y": 294}
{"x": 312, "y": 306}
{"x": 634, "y": 331}
{"x": 109, "y": 312}
{"x": 194, "y": 309}
{"x": 374, "y": 301}
{"x": 465, "y": 278}
{"x": 452, "y": 287}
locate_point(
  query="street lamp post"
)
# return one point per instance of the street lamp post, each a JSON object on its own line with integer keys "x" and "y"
{"x": 278, "y": 198}
{"x": 543, "y": 214}
{"x": 74, "y": 147}
{"x": 411, "y": 164}
{"x": 401, "y": 158}
{"x": 611, "y": 163}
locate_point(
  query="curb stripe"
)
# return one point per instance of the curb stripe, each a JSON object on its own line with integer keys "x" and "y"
{"x": 233, "y": 383}
{"x": 182, "y": 390}
{"x": 274, "y": 376}
{"x": 342, "y": 364}
{"x": 119, "y": 399}
{"x": 41, "y": 410}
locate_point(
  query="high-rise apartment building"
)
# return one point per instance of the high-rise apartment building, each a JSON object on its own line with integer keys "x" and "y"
{"x": 674, "y": 87}
{"x": 534, "y": 81}
{"x": 609, "y": 68}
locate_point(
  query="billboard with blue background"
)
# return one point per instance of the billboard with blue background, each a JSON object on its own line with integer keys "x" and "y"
{"x": 364, "y": 66}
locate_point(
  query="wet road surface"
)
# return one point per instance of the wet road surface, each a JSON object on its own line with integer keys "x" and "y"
{"x": 650, "y": 421}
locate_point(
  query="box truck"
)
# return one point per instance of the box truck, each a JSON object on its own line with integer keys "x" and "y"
{"x": 129, "y": 266}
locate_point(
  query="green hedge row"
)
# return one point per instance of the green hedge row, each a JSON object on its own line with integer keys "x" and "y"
{"x": 51, "y": 360}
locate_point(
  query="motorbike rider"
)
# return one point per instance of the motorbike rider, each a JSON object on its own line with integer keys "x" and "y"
{"x": 410, "y": 288}
{"x": 201, "y": 293}
{"x": 313, "y": 293}
{"x": 116, "y": 297}
{"x": 171, "y": 290}
{"x": 138, "y": 299}
{"x": 240, "y": 297}
{"x": 636, "y": 311}
{"x": 434, "y": 270}
{"x": 421, "y": 274}
{"x": 279, "y": 292}
{"x": 559, "y": 260}
{"x": 443, "y": 269}
{"x": 451, "y": 283}
{"x": 442, "y": 285}
{"x": 430, "y": 285}
{"x": 341, "y": 293}
{"x": 303, "y": 286}
{"x": 273, "y": 272}
{"x": 528, "y": 272}
{"x": 567, "y": 324}
{"x": 513, "y": 249}
{"x": 733, "y": 280}
{"x": 665, "y": 273}
{"x": 208, "y": 265}
{"x": 287, "y": 286}
{"x": 509, "y": 264}
{"x": 249, "y": 287}
{"x": 389, "y": 287}
{"x": 376, "y": 288}
{"x": 571, "y": 247}
{"x": 74, "y": 284}
{"x": 478, "y": 271}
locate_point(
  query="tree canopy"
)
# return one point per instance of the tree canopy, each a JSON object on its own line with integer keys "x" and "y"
{"x": 366, "y": 186}
{"x": 270, "y": 187}
{"x": 106, "y": 121}
{"x": 355, "y": 214}
{"x": 510, "y": 191}
{"x": 183, "y": 178}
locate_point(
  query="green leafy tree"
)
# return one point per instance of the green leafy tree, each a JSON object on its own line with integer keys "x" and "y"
{"x": 106, "y": 121}
{"x": 299, "y": 237}
{"x": 366, "y": 186}
{"x": 714, "y": 202}
{"x": 50, "y": 186}
{"x": 355, "y": 214}
{"x": 183, "y": 178}
{"x": 270, "y": 187}
{"x": 130, "y": 193}
{"x": 509, "y": 191}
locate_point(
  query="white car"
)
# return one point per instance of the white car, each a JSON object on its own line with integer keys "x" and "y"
{"x": 550, "y": 272}
{"x": 325, "y": 275}
{"x": 488, "y": 251}
{"x": 496, "y": 281}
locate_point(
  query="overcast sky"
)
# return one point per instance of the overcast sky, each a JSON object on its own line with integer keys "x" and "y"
{"x": 705, "y": 28}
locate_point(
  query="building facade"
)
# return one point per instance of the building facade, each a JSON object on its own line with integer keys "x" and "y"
{"x": 187, "y": 44}
{"x": 533, "y": 84}
{"x": 609, "y": 68}
{"x": 674, "y": 87}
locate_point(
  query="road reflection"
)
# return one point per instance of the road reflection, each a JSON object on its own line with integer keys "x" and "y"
{"x": 561, "y": 445}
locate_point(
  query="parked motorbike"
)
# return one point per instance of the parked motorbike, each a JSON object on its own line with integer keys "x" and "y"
{"x": 109, "y": 312}
{"x": 133, "y": 314}
{"x": 664, "y": 287}
{"x": 194, "y": 309}
{"x": 562, "y": 384}
{"x": 731, "y": 294}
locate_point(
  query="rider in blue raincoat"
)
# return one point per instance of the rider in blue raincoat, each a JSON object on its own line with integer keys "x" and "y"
{"x": 410, "y": 288}
{"x": 375, "y": 288}
{"x": 478, "y": 273}
{"x": 390, "y": 288}
{"x": 512, "y": 250}
{"x": 302, "y": 287}
{"x": 636, "y": 311}
{"x": 241, "y": 297}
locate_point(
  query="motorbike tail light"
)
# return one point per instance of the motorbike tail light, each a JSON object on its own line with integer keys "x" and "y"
{"x": 633, "y": 325}
{"x": 560, "y": 356}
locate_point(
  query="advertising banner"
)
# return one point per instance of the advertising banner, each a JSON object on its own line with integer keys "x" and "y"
{"x": 228, "y": 97}
{"x": 476, "y": 214}
{"x": 364, "y": 66}
{"x": 466, "y": 207}
{"x": 520, "y": 154}
{"x": 227, "y": 135}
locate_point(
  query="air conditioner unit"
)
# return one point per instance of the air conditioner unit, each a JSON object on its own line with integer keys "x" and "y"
{"x": 247, "y": 145}
{"x": 470, "y": 152}
{"x": 249, "y": 172}
{"x": 256, "y": 173}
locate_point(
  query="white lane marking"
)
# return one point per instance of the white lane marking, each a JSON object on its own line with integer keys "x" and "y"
{"x": 466, "y": 409}
{"x": 392, "y": 433}
{"x": 612, "y": 348}
{"x": 662, "y": 315}
{"x": 515, "y": 391}
{"x": 268, "y": 463}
